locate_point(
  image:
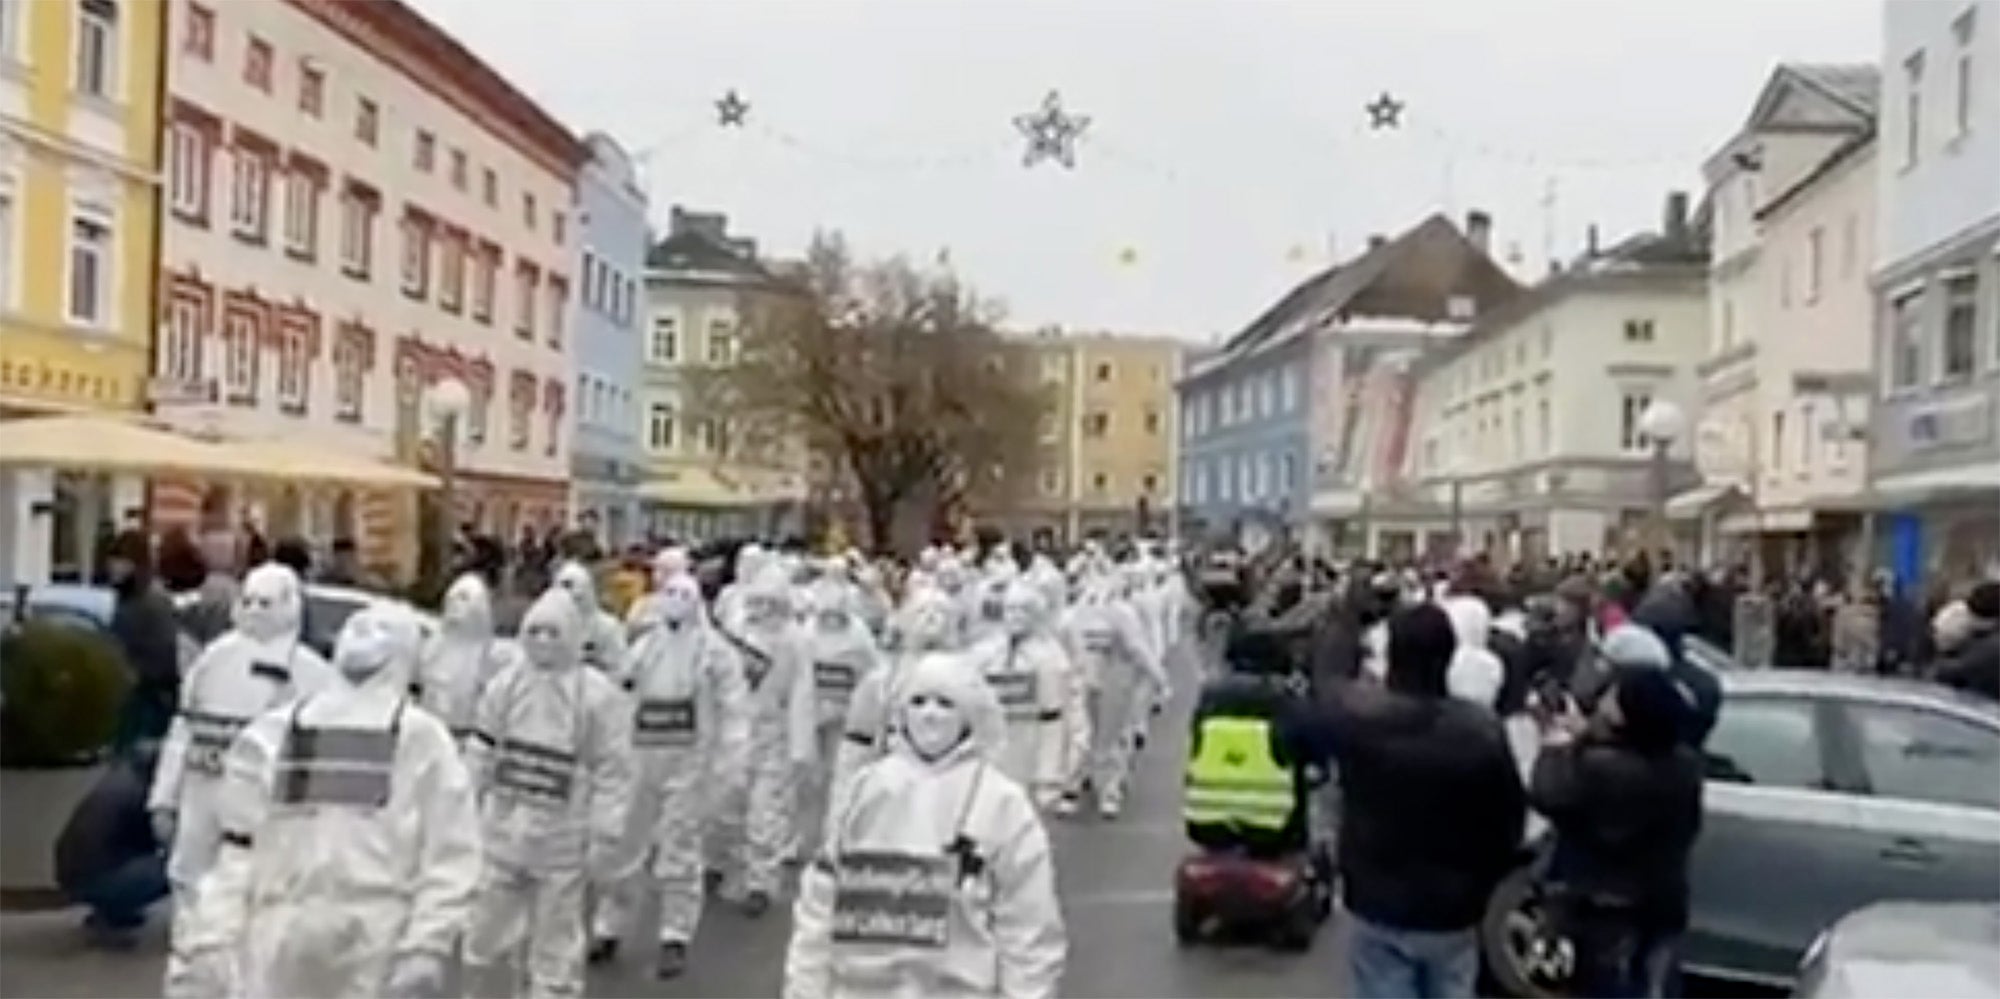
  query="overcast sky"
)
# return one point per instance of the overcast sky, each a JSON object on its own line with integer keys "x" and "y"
{"x": 1227, "y": 153}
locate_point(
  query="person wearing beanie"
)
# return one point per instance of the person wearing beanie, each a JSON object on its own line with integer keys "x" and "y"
{"x": 1432, "y": 810}
{"x": 1669, "y": 614}
{"x": 148, "y": 635}
{"x": 1623, "y": 790}
{"x": 1975, "y": 665}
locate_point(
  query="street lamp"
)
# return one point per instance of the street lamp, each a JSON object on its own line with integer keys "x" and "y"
{"x": 1662, "y": 423}
{"x": 447, "y": 402}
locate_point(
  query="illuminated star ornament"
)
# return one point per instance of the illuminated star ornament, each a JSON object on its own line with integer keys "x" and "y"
{"x": 1051, "y": 132}
{"x": 1385, "y": 112}
{"x": 732, "y": 110}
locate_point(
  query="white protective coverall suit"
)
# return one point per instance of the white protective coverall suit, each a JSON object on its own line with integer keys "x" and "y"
{"x": 925, "y": 625}
{"x": 603, "y": 637}
{"x": 936, "y": 880}
{"x": 690, "y": 731}
{"x": 751, "y": 562}
{"x": 755, "y": 828}
{"x": 351, "y": 840}
{"x": 464, "y": 654}
{"x": 843, "y": 655}
{"x": 1122, "y": 675}
{"x": 551, "y": 755}
{"x": 1032, "y": 678}
{"x": 258, "y": 665}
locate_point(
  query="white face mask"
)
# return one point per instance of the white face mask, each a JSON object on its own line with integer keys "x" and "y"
{"x": 543, "y": 642}
{"x": 367, "y": 645}
{"x": 933, "y": 725}
{"x": 831, "y": 622}
{"x": 677, "y": 605}
{"x": 461, "y": 605}
{"x": 1019, "y": 617}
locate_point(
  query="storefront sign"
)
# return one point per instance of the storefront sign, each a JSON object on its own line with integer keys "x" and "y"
{"x": 1961, "y": 422}
{"x": 41, "y": 379}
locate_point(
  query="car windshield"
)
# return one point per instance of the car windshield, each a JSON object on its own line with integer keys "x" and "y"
{"x": 325, "y": 616}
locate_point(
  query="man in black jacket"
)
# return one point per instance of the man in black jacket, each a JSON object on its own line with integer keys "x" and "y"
{"x": 1433, "y": 814}
{"x": 1623, "y": 792}
{"x": 1975, "y": 665}
{"x": 107, "y": 857}
{"x": 147, "y": 631}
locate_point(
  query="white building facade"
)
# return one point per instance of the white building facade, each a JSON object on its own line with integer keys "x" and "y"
{"x": 1526, "y": 431}
{"x": 1781, "y": 441}
{"x": 1936, "y": 428}
{"x": 358, "y": 210}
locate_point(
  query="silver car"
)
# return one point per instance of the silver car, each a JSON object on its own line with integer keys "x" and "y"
{"x": 1898, "y": 949}
{"x": 1826, "y": 792}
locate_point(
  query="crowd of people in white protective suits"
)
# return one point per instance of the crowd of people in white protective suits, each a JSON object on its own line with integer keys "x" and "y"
{"x": 447, "y": 808}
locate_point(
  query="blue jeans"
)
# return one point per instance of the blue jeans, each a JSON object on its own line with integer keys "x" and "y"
{"x": 118, "y": 897}
{"x": 1387, "y": 963}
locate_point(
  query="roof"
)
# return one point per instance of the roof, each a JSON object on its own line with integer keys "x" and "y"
{"x": 1841, "y": 154}
{"x": 690, "y": 250}
{"x": 1857, "y": 85}
{"x": 1369, "y": 283}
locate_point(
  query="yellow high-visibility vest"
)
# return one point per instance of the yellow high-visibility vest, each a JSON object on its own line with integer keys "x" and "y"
{"x": 1234, "y": 779}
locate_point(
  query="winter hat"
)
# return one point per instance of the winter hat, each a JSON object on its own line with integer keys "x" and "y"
{"x": 132, "y": 546}
{"x": 1652, "y": 707}
{"x": 1632, "y": 646}
{"x": 1984, "y": 601}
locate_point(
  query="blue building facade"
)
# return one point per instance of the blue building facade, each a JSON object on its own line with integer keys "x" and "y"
{"x": 606, "y": 310}
{"x": 1246, "y": 438}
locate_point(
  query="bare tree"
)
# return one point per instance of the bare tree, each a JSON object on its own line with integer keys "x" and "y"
{"x": 894, "y": 374}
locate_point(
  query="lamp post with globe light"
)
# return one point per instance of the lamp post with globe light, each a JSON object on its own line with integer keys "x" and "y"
{"x": 1662, "y": 423}
{"x": 446, "y": 402}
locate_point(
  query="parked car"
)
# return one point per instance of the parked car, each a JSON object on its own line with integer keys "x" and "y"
{"x": 79, "y": 605}
{"x": 1826, "y": 792}
{"x": 1894, "y": 949}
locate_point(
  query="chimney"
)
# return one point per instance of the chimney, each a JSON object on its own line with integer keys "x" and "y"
{"x": 1479, "y": 229}
{"x": 710, "y": 224}
{"x": 1590, "y": 247}
{"x": 1377, "y": 241}
{"x": 1675, "y": 226}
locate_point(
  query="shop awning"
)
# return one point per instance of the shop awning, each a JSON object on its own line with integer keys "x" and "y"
{"x": 1938, "y": 483}
{"x": 305, "y": 463}
{"x": 1694, "y": 502}
{"x": 114, "y": 442}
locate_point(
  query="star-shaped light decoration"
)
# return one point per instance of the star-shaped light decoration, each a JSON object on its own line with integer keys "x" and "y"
{"x": 1051, "y": 132}
{"x": 732, "y": 110}
{"x": 1385, "y": 112}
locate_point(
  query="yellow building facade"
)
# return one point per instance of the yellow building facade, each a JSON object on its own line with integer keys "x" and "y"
{"x": 80, "y": 102}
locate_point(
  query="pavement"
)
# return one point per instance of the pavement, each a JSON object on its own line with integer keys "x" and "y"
{"x": 1115, "y": 880}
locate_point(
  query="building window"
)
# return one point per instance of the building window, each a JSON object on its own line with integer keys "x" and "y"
{"x": 520, "y": 410}
{"x": 1103, "y": 371}
{"x": 181, "y": 360}
{"x": 367, "y": 121}
{"x": 1051, "y": 482}
{"x": 1638, "y": 331}
{"x": 349, "y": 372}
{"x": 257, "y": 64}
{"x": 1777, "y": 441}
{"x": 706, "y": 439}
{"x": 451, "y": 271}
{"x": 489, "y": 186}
{"x": 460, "y": 168}
{"x": 249, "y": 192}
{"x": 239, "y": 370}
{"x": 528, "y": 210}
{"x": 486, "y": 283}
{"x": 1096, "y": 424}
{"x": 90, "y": 268}
{"x": 1100, "y": 483}
{"x": 1153, "y": 421}
{"x": 1544, "y": 428}
{"x": 1906, "y": 339}
{"x": 188, "y": 151}
{"x": 666, "y": 340}
{"x": 199, "y": 40}
{"x": 558, "y": 304}
{"x": 526, "y": 278}
{"x": 1962, "y": 81}
{"x": 294, "y": 369}
{"x": 1961, "y": 330}
{"x": 1815, "y": 263}
{"x": 312, "y": 89}
{"x": 1913, "y": 109}
{"x": 721, "y": 340}
{"x": 302, "y": 213}
{"x": 1631, "y": 410}
{"x": 661, "y": 430}
{"x": 416, "y": 254}
{"x": 357, "y": 233}
{"x": 558, "y": 226}
{"x": 97, "y": 48}
{"x": 1806, "y": 434}
{"x": 424, "y": 156}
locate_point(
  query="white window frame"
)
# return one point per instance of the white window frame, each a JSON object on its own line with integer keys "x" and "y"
{"x": 301, "y": 212}
{"x": 662, "y": 427}
{"x": 188, "y": 161}
{"x": 1901, "y": 339}
{"x": 249, "y": 191}
{"x": 525, "y": 294}
{"x": 1632, "y": 405}
{"x": 350, "y": 385}
{"x": 485, "y": 282}
{"x": 105, "y": 293}
{"x": 181, "y": 356}
{"x": 93, "y": 27}
{"x": 654, "y": 353}
{"x": 294, "y": 370}
{"x": 239, "y": 355}
{"x": 416, "y": 256}
{"x": 721, "y": 332}
{"x": 1947, "y": 284}
{"x": 1913, "y": 108}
